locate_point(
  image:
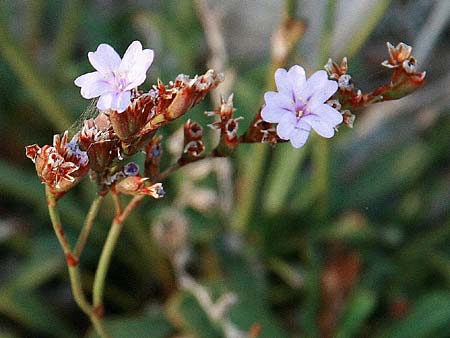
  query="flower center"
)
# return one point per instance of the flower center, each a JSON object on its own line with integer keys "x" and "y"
{"x": 301, "y": 107}
{"x": 120, "y": 79}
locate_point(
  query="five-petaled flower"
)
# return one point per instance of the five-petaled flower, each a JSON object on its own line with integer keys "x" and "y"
{"x": 115, "y": 77}
{"x": 299, "y": 105}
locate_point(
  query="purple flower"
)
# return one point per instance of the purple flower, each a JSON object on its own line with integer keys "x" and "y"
{"x": 115, "y": 77}
{"x": 299, "y": 105}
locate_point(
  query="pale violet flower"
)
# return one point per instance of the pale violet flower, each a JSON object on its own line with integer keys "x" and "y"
{"x": 115, "y": 77}
{"x": 299, "y": 105}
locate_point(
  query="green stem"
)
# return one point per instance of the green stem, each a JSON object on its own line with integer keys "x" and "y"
{"x": 108, "y": 249}
{"x": 87, "y": 226}
{"x": 74, "y": 272}
{"x": 80, "y": 299}
{"x": 291, "y": 8}
{"x": 56, "y": 222}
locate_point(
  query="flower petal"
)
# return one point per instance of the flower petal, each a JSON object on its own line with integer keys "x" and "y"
{"x": 105, "y": 59}
{"x": 286, "y": 126}
{"x": 272, "y": 114}
{"x": 135, "y": 59}
{"x": 300, "y": 135}
{"x": 105, "y": 101}
{"x": 319, "y": 88}
{"x": 297, "y": 78}
{"x": 92, "y": 85}
{"x": 135, "y": 64}
{"x": 282, "y": 82}
{"x": 121, "y": 101}
{"x": 321, "y": 126}
{"x": 85, "y": 79}
{"x": 279, "y": 100}
{"x": 328, "y": 113}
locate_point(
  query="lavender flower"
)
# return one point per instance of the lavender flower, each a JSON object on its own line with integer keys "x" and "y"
{"x": 115, "y": 77}
{"x": 299, "y": 105}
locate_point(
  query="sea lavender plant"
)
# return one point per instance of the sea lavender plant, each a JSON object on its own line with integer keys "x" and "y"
{"x": 128, "y": 121}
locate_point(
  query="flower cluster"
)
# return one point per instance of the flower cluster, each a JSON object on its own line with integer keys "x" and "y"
{"x": 128, "y": 119}
{"x": 127, "y": 122}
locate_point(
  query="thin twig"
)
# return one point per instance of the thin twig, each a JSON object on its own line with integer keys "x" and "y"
{"x": 87, "y": 226}
{"x": 108, "y": 249}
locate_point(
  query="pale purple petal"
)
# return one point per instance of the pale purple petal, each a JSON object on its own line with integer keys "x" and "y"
{"x": 328, "y": 113}
{"x": 282, "y": 101}
{"x": 136, "y": 59}
{"x": 323, "y": 93}
{"x": 105, "y": 101}
{"x": 92, "y": 85}
{"x": 282, "y": 82}
{"x": 105, "y": 59}
{"x": 121, "y": 101}
{"x": 273, "y": 114}
{"x": 317, "y": 80}
{"x": 319, "y": 88}
{"x": 299, "y": 136}
{"x": 137, "y": 75}
{"x": 321, "y": 127}
{"x": 85, "y": 79}
{"x": 297, "y": 78}
{"x": 286, "y": 126}
{"x": 135, "y": 79}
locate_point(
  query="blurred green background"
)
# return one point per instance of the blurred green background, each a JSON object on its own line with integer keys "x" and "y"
{"x": 350, "y": 239}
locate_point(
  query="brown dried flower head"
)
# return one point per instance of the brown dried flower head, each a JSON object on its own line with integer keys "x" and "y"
{"x": 100, "y": 143}
{"x": 181, "y": 95}
{"x": 397, "y": 55}
{"x": 227, "y": 125}
{"x": 60, "y": 166}
{"x": 334, "y": 70}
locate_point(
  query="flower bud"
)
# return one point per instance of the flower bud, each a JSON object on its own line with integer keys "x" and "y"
{"x": 193, "y": 144}
{"x": 135, "y": 185}
{"x": 349, "y": 118}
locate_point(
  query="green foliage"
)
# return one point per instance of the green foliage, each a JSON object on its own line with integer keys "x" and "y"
{"x": 379, "y": 191}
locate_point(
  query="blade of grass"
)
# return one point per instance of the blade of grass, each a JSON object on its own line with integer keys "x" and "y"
{"x": 34, "y": 83}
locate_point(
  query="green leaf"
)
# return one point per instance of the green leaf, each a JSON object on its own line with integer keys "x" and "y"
{"x": 430, "y": 314}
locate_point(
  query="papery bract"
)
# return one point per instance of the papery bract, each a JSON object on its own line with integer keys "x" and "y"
{"x": 299, "y": 105}
{"x": 115, "y": 77}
